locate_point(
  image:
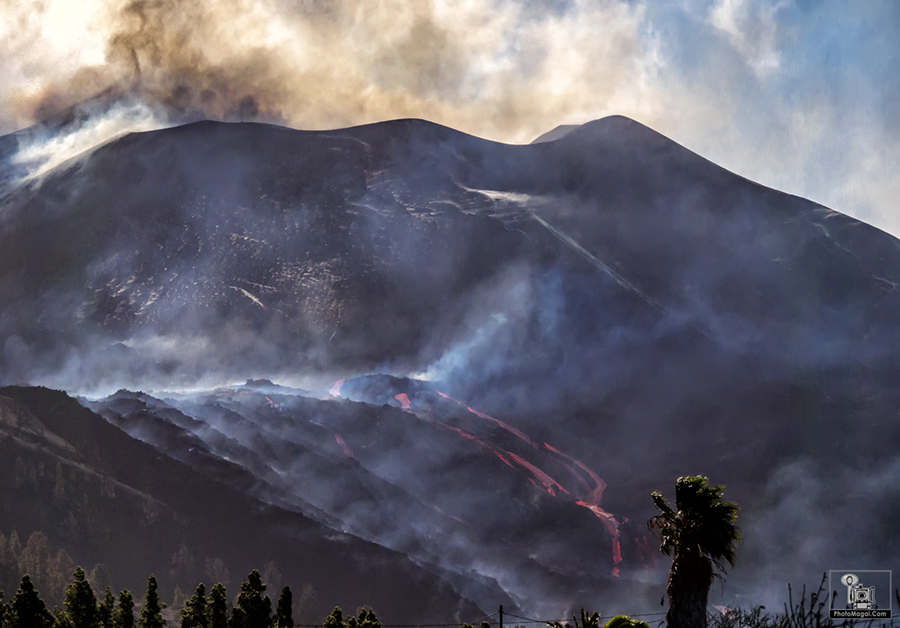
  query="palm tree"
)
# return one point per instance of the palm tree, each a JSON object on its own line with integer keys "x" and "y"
{"x": 593, "y": 621}
{"x": 588, "y": 620}
{"x": 701, "y": 536}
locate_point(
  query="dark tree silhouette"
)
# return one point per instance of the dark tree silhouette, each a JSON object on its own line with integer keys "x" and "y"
{"x": 106, "y": 610}
{"x": 624, "y": 621}
{"x": 151, "y": 613}
{"x": 194, "y": 614}
{"x": 701, "y": 535}
{"x": 365, "y": 619}
{"x": 284, "y": 612}
{"x": 335, "y": 619}
{"x": 592, "y": 620}
{"x": 80, "y": 603}
{"x": 217, "y": 607}
{"x": 27, "y": 609}
{"x": 253, "y": 609}
{"x": 125, "y": 615}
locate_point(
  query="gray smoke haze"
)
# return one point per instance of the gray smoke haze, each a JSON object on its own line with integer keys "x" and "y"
{"x": 817, "y": 516}
{"x": 800, "y": 97}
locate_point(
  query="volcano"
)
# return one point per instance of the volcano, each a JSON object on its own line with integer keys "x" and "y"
{"x": 521, "y": 342}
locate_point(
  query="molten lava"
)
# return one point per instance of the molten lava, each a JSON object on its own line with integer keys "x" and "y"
{"x": 611, "y": 525}
{"x": 347, "y": 451}
{"x": 271, "y": 403}
{"x": 645, "y": 552}
{"x": 593, "y": 495}
{"x": 475, "y": 439}
{"x": 584, "y": 483}
{"x": 335, "y": 390}
{"x": 590, "y": 484}
{"x": 545, "y": 479}
{"x": 403, "y": 398}
{"x": 508, "y": 428}
{"x": 454, "y": 517}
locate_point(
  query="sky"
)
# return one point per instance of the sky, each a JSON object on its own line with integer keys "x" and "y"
{"x": 798, "y": 95}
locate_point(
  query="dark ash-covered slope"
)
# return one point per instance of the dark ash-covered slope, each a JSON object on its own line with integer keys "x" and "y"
{"x": 279, "y": 249}
{"x": 108, "y": 498}
{"x": 306, "y": 238}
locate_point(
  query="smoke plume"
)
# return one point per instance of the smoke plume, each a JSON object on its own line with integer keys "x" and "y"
{"x": 476, "y": 66}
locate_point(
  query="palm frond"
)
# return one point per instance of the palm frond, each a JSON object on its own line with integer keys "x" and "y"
{"x": 704, "y": 524}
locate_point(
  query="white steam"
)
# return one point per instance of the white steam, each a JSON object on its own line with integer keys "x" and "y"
{"x": 46, "y": 149}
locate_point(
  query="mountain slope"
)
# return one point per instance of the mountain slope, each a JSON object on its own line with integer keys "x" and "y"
{"x": 608, "y": 293}
{"x": 108, "y": 498}
{"x": 286, "y": 245}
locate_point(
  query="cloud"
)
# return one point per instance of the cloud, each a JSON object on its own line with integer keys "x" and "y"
{"x": 796, "y": 96}
{"x": 52, "y": 57}
{"x": 752, "y": 29}
{"x": 497, "y": 69}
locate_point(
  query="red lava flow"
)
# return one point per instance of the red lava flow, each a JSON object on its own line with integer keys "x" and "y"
{"x": 508, "y": 428}
{"x": 454, "y": 517}
{"x": 545, "y": 479}
{"x": 593, "y": 495}
{"x": 592, "y": 487}
{"x": 475, "y": 439}
{"x": 347, "y": 451}
{"x": 403, "y": 398}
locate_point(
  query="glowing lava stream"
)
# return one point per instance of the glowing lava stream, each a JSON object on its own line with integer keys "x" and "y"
{"x": 476, "y": 440}
{"x": 595, "y": 495}
{"x": 592, "y": 503}
{"x": 490, "y": 418}
{"x": 591, "y": 499}
{"x": 545, "y": 479}
{"x": 403, "y": 398}
{"x": 340, "y": 441}
{"x": 592, "y": 495}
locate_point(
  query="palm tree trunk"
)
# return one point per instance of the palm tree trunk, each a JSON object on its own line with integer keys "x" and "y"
{"x": 688, "y": 590}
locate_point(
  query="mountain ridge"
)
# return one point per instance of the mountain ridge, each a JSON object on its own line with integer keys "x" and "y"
{"x": 196, "y": 510}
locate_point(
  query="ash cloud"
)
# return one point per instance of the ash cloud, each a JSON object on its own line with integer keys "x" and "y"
{"x": 323, "y": 65}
